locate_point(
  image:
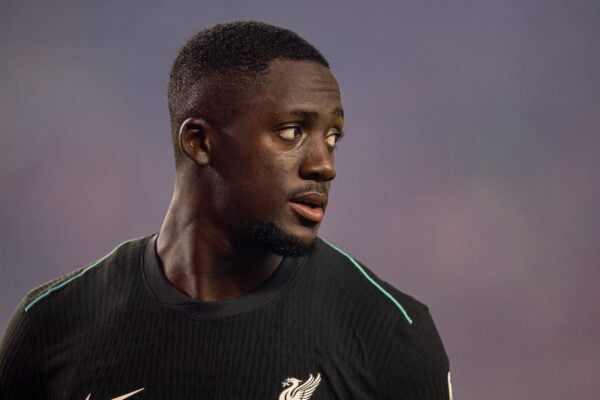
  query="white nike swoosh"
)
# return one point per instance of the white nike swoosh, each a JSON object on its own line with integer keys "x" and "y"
{"x": 122, "y": 397}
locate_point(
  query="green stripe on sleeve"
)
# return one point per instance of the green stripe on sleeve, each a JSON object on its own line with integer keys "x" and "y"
{"x": 372, "y": 281}
{"x": 71, "y": 279}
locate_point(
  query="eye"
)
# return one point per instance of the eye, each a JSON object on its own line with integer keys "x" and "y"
{"x": 333, "y": 138}
{"x": 290, "y": 133}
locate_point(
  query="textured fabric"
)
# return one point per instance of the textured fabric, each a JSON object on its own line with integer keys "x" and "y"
{"x": 318, "y": 329}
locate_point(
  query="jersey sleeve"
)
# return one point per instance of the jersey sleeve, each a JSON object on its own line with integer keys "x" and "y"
{"x": 20, "y": 376}
{"x": 418, "y": 367}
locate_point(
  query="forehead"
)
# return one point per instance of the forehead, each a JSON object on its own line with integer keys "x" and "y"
{"x": 302, "y": 85}
{"x": 300, "y": 75}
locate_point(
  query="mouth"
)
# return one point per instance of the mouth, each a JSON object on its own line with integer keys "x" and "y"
{"x": 310, "y": 206}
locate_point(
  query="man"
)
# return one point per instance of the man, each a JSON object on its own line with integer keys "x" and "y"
{"x": 236, "y": 297}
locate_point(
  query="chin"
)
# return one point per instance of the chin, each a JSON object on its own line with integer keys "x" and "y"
{"x": 272, "y": 238}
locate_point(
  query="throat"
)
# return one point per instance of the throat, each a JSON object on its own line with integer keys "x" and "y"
{"x": 202, "y": 275}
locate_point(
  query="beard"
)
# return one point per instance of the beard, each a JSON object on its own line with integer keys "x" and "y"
{"x": 268, "y": 236}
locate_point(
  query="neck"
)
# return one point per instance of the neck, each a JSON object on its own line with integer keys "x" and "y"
{"x": 201, "y": 261}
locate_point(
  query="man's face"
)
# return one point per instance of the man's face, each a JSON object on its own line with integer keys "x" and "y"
{"x": 275, "y": 160}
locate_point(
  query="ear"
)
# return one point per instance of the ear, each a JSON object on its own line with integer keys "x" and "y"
{"x": 194, "y": 140}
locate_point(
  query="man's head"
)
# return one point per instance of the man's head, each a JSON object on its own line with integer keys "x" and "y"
{"x": 255, "y": 115}
{"x": 218, "y": 64}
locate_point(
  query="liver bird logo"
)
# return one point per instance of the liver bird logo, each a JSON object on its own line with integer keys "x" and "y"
{"x": 297, "y": 391}
{"x": 122, "y": 397}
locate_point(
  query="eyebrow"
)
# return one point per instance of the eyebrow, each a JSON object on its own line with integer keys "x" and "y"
{"x": 338, "y": 112}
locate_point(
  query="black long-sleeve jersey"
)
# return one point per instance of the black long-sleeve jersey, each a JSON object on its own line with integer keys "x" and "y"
{"x": 321, "y": 327}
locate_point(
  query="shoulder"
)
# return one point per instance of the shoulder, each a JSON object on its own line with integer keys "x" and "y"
{"x": 394, "y": 330}
{"x": 361, "y": 285}
{"x": 89, "y": 277}
{"x": 411, "y": 361}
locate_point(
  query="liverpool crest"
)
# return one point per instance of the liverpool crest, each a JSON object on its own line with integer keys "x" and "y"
{"x": 295, "y": 389}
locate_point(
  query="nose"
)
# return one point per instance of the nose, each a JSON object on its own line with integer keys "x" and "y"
{"x": 318, "y": 162}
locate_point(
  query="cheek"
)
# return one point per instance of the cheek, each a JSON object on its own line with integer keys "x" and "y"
{"x": 267, "y": 185}
{"x": 260, "y": 174}
{"x": 269, "y": 180}
{"x": 281, "y": 171}
{"x": 270, "y": 162}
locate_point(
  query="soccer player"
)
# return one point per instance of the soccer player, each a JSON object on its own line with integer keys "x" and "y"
{"x": 236, "y": 297}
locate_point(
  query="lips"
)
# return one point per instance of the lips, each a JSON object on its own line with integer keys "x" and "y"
{"x": 310, "y": 206}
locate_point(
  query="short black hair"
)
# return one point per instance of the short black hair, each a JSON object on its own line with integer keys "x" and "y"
{"x": 238, "y": 50}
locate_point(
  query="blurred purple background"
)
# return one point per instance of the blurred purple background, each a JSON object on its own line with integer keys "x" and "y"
{"x": 468, "y": 177}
